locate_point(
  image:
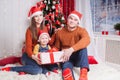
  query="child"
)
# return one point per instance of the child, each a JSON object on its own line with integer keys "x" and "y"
{"x": 43, "y": 46}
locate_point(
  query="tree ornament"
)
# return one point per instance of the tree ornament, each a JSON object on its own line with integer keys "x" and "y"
{"x": 58, "y": 22}
{"x": 62, "y": 18}
{"x": 45, "y": 1}
{"x": 46, "y": 7}
{"x": 54, "y": 2}
{"x": 48, "y": 1}
{"x": 53, "y": 7}
{"x": 62, "y": 25}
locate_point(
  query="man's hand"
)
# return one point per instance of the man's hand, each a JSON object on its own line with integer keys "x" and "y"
{"x": 67, "y": 53}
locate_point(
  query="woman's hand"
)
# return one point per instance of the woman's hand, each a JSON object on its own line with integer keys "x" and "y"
{"x": 36, "y": 58}
{"x": 67, "y": 53}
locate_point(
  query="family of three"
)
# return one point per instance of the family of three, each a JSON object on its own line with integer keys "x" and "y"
{"x": 71, "y": 39}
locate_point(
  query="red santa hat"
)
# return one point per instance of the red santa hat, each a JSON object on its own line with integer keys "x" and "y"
{"x": 76, "y": 14}
{"x": 41, "y": 33}
{"x": 34, "y": 11}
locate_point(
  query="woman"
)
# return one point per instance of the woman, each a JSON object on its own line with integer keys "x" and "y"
{"x": 31, "y": 64}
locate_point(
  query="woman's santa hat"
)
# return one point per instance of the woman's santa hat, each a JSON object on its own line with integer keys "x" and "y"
{"x": 34, "y": 11}
{"x": 41, "y": 33}
{"x": 76, "y": 14}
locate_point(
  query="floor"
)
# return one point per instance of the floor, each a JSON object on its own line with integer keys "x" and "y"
{"x": 101, "y": 71}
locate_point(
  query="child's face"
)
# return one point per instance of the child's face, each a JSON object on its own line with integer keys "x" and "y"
{"x": 44, "y": 39}
{"x": 72, "y": 21}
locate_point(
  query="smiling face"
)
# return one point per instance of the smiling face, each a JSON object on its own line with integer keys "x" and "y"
{"x": 38, "y": 18}
{"x": 44, "y": 39}
{"x": 72, "y": 22}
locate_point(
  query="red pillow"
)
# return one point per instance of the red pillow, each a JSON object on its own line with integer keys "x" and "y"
{"x": 10, "y": 60}
{"x": 14, "y": 59}
{"x": 92, "y": 60}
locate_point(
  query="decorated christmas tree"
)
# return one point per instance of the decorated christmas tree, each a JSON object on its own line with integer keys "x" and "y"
{"x": 54, "y": 17}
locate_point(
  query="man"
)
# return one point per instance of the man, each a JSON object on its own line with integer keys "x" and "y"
{"x": 73, "y": 40}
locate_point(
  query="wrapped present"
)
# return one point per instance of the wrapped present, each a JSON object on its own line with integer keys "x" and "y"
{"x": 50, "y": 57}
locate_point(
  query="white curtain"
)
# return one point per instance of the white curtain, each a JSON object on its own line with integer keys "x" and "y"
{"x": 83, "y": 6}
{"x": 13, "y": 24}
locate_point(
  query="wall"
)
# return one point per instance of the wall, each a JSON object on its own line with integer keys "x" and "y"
{"x": 13, "y": 23}
{"x": 108, "y": 47}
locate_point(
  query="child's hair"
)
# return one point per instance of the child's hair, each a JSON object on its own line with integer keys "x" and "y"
{"x": 43, "y": 33}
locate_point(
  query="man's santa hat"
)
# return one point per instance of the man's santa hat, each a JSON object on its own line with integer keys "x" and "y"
{"x": 34, "y": 11}
{"x": 41, "y": 33}
{"x": 76, "y": 14}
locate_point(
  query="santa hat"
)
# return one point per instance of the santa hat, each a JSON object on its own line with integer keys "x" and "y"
{"x": 41, "y": 33}
{"x": 34, "y": 11}
{"x": 76, "y": 14}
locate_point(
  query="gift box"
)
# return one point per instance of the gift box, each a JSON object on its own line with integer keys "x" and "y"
{"x": 50, "y": 57}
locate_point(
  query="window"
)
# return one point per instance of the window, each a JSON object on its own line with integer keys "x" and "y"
{"x": 105, "y": 13}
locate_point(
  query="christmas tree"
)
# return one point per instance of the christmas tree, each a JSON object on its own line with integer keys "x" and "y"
{"x": 53, "y": 14}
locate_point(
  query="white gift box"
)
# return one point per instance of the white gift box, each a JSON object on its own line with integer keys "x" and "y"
{"x": 50, "y": 57}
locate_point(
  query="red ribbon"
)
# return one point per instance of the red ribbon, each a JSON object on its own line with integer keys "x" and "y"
{"x": 51, "y": 57}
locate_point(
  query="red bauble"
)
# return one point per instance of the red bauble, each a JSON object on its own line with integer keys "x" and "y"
{"x": 58, "y": 22}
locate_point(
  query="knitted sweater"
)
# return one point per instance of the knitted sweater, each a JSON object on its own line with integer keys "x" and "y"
{"x": 30, "y": 43}
{"x": 77, "y": 39}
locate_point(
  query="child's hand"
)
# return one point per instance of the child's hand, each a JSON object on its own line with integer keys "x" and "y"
{"x": 35, "y": 57}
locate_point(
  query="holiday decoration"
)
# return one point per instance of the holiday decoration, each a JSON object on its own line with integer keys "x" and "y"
{"x": 104, "y": 32}
{"x": 50, "y": 57}
{"x": 53, "y": 14}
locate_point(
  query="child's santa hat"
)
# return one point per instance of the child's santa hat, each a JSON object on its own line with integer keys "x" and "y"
{"x": 76, "y": 14}
{"x": 34, "y": 11}
{"x": 41, "y": 33}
